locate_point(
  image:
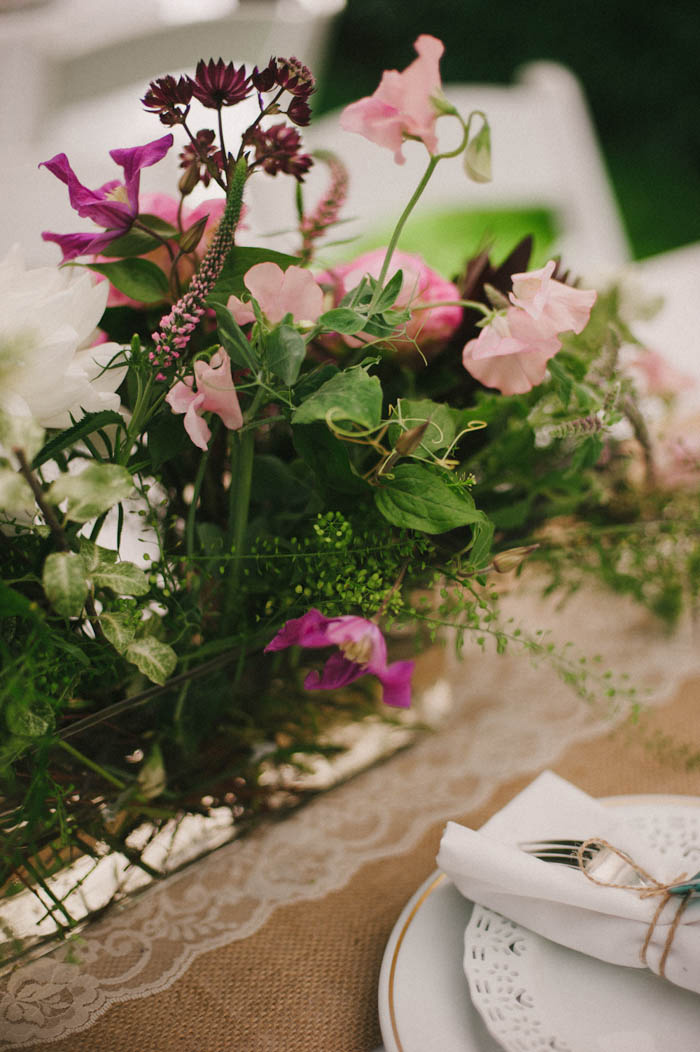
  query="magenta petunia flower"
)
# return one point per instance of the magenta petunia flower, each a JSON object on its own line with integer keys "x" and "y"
{"x": 361, "y": 652}
{"x": 114, "y": 206}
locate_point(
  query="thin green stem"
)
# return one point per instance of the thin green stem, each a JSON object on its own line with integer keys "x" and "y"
{"x": 77, "y": 755}
{"x": 199, "y": 479}
{"x": 432, "y": 164}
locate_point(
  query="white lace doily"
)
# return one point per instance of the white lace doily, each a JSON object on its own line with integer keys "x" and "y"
{"x": 510, "y": 972}
{"x": 509, "y": 718}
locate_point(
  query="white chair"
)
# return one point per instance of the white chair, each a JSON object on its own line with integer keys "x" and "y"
{"x": 545, "y": 155}
{"x": 72, "y": 73}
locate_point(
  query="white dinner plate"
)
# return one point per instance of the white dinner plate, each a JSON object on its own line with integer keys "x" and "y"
{"x": 425, "y": 1004}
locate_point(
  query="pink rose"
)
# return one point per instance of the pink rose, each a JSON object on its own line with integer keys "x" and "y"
{"x": 562, "y": 307}
{"x": 402, "y": 105}
{"x": 421, "y": 286}
{"x": 279, "y": 292}
{"x": 510, "y": 353}
{"x": 215, "y": 394}
{"x": 165, "y": 207}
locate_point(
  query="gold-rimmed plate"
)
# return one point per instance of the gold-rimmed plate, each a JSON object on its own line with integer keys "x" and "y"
{"x": 424, "y": 1002}
{"x": 424, "y": 999}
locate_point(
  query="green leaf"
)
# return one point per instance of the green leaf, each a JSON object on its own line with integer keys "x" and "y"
{"x": 21, "y": 432}
{"x": 156, "y": 660}
{"x": 65, "y": 583}
{"x": 286, "y": 351}
{"x": 563, "y": 382}
{"x": 134, "y": 243}
{"x": 159, "y": 225}
{"x": 121, "y": 578}
{"x": 421, "y": 498}
{"x": 442, "y": 425}
{"x": 167, "y": 438}
{"x": 482, "y": 540}
{"x": 152, "y": 779}
{"x": 343, "y": 320}
{"x": 87, "y": 425}
{"x": 351, "y": 396}
{"x": 29, "y": 719}
{"x": 94, "y": 491}
{"x": 328, "y": 459}
{"x": 389, "y": 293}
{"x": 238, "y": 262}
{"x": 139, "y": 279}
{"x": 94, "y": 556}
{"x": 233, "y": 340}
{"x": 14, "y": 604}
{"x": 119, "y": 629}
{"x": 16, "y": 497}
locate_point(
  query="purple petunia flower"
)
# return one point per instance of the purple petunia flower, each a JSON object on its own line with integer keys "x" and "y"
{"x": 113, "y": 206}
{"x": 361, "y": 652}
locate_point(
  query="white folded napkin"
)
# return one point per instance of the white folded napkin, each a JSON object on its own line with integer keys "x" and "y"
{"x": 560, "y": 902}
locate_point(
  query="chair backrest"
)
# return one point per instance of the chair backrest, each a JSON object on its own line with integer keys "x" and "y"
{"x": 72, "y": 73}
{"x": 545, "y": 154}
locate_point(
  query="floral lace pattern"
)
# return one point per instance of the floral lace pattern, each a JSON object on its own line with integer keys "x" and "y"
{"x": 509, "y": 718}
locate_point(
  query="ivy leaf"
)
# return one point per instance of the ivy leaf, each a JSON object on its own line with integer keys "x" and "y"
{"x": 95, "y": 556}
{"x": 65, "y": 583}
{"x": 119, "y": 629}
{"x": 29, "y": 719}
{"x": 286, "y": 351}
{"x": 121, "y": 578}
{"x": 238, "y": 262}
{"x": 419, "y": 498}
{"x": 328, "y": 459}
{"x": 156, "y": 660}
{"x": 233, "y": 340}
{"x": 139, "y": 279}
{"x": 95, "y": 490}
{"x": 351, "y": 396}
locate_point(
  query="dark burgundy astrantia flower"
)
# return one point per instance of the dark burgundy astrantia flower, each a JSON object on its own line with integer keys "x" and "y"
{"x": 264, "y": 79}
{"x": 200, "y": 154}
{"x": 277, "y": 150}
{"x": 166, "y": 95}
{"x": 216, "y": 84}
{"x": 299, "y": 111}
{"x": 295, "y": 77}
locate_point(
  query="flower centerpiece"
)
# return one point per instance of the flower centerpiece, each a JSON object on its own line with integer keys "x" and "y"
{"x": 226, "y": 470}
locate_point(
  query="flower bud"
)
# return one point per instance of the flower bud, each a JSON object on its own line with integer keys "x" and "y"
{"x": 511, "y": 559}
{"x": 188, "y": 180}
{"x": 409, "y": 440}
{"x": 477, "y": 156}
{"x": 191, "y": 238}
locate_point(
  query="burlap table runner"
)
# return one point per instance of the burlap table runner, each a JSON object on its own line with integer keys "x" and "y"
{"x": 307, "y": 980}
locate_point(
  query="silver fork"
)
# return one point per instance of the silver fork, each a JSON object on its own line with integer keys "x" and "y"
{"x": 601, "y": 862}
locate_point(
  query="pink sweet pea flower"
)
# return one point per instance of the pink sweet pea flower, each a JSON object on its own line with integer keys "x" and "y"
{"x": 562, "y": 307}
{"x": 421, "y": 286}
{"x": 511, "y": 352}
{"x": 215, "y": 394}
{"x": 402, "y": 105}
{"x": 113, "y": 206}
{"x": 361, "y": 652}
{"x": 278, "y": 293}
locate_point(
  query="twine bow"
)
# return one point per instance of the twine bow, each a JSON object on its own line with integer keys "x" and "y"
{"x": 654, "y": 889}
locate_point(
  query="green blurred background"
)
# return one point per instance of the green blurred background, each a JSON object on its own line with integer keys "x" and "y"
{"x": 638, "y": 63}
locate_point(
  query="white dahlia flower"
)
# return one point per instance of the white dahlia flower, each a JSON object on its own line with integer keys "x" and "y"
{"x": 48, "y": 317}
